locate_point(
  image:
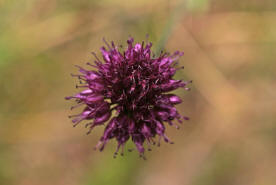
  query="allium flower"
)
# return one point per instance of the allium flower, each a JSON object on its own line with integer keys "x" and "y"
{"x": 135, "y": 85}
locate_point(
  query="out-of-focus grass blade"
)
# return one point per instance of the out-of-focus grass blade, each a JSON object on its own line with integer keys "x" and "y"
{"x": 174, "y": 18}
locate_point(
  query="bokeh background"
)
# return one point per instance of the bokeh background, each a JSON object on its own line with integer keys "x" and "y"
{"x": 229, "y": 54}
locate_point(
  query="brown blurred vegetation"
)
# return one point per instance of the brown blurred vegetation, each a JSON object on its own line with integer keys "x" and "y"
{"x": 230, "y": 55}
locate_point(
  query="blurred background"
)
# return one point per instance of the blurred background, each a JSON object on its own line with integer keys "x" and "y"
{"x": 230, "y": 55}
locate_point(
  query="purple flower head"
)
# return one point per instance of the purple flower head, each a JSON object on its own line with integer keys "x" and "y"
{"x": 136, "y": 86}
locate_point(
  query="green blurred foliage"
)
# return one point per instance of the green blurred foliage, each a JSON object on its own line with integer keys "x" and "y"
{"x": 229, "y": 53}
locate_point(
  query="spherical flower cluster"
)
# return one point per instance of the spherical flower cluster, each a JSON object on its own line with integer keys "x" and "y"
{"x": 135, "y": 85}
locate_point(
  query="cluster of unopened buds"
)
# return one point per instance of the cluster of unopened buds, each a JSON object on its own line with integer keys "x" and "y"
{"x": 135, "y": 85}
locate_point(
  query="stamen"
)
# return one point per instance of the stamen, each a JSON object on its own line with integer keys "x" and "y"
{"x": 107, "y": 44}
{"x": 96, "y": 57}
{"x": 76, "y": 75}
{"x": 81, "y": 86}
{"x": 77, "y": 121}
{"x": 91, "y": 65}
{"x": 98, "y": 145}
{"x": 81, "y": 69}
{"x": 159, "y": 141}
{"x": 75, "y": 106}
{"x": 179, "y": 68}
{"x": 143, "y": 156}
{"x": 122, "y": 152}
{"x": 72, "y": 116}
